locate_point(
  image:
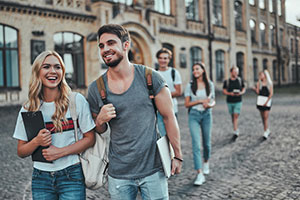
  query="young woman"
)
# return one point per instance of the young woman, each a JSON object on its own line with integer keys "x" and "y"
{"x": 49, "y": 93}
{"x": 199, "y": 99}
{"x": 264, "y": 87}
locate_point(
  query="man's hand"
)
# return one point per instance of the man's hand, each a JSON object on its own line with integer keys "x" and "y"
{"x": 176, "y": 166}
{"x": 107, "y": 112}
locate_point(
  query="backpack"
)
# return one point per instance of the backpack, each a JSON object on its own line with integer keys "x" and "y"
{"x": 94, "y": 160}
{"x": 172, "y": 73}
{"x": 239, "y": 79}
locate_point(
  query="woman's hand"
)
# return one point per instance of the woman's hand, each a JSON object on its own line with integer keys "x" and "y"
{"x": 43, "y": 138}
{"x": 52, "y": 153}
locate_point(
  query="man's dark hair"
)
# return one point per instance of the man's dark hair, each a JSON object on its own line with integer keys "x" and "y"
{"x": 115, "y": 29}
{"x": 164, "y": 50}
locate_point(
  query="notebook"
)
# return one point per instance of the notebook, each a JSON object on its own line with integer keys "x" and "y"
{"x": 261, "y": 100}
{"x": 33, "y": 123}
{"x": 166, "y": 154}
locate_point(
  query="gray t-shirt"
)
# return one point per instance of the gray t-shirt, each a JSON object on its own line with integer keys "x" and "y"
{"x": 132, "y": 151}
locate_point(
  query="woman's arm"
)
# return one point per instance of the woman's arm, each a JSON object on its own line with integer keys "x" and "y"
{"x": 54, "y": 153}
{"x": 188, "y": 103}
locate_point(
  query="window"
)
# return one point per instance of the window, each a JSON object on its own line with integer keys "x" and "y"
{"x": 252, "y": 2}
{"x": 238, "y": 15}
{"x": 280, "y": 36}
{"x": 262, "y": 29}
{"x": 127, "y": 2}
{"x": 271, "y": 9}
{"x": 220, "y": 65}
{"x": 9, "y": 59}
{"x": 294, "y": 73}
{"x": 274, "y": 70}
{"x": 279, "y": 7}
{"x": 265, "y": 64}
{"x": 253, "y": 30}
{"x": 273, "y": 38}
{"x": 292, "y": 45}
{"x": 196, "y": 55}
{"x": 218, "y": 12}
{"x": 283, "y": 71}
{"x": 262, "y": 4}
{"x": 162, "y": 6}
{"x": 255, "y": 69}
{"x": 240, "y": 63}
{"x": 70, "y": 47}
{"x": 192, "y": 10}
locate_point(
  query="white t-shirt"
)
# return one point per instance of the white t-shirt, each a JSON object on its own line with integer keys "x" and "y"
{"x": 59, "y": 139}
{"x": 167, "y": 75}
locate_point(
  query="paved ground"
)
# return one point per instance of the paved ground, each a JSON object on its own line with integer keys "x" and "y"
{"x": 248, "y": 168}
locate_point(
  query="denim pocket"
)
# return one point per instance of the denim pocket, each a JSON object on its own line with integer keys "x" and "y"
{"x": 35, "y": 174}
{"x": 75, "y": 173}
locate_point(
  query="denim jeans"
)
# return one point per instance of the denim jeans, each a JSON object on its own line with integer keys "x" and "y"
{"x": 161, "y": 125}
{"x": 200, "y": 120}
{"x": 154, "y": 186}
{"x": 65, "y": 184}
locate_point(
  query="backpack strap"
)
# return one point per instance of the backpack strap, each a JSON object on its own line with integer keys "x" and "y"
{"x": 102, "y": 89}
{"x": 148, "y": 75}
{"x": 173, "y": 74}
{"x": 72, "y": 107}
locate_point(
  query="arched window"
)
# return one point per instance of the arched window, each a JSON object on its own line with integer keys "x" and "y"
{"x": 70, "y": 47}
{"x": 273, "y": 38}
{"x": 253, "y": 30}
{"x": 279, "y": 7}
{"x": 271, "y": 8}
{"x": 274, "y": 70}
{"x": 265, "y": 64}
{"x": 9, "y": 59}
{"x": 192, "y": 9}
{"x": 262, "y": 4}
{"x": 240, "y": 63}
{"x": 255, "y": 69}
{"x": 163, "y": 6}
{"x": 252, "y": 2}
{"x": 292, "y": 45}
{"x": 220, "y": 65}
{"x": 238, "y": 15}
{"x": 262, "y": 29}
{"x": 195, "y": 56}
{"x": 218, "y": 12}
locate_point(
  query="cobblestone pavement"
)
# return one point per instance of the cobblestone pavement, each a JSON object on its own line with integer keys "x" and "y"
{"x": 246, "y": 168}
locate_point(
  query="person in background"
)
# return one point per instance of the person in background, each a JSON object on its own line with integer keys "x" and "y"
{"x": 199, "y": 99}
{"x": 173, "y": 80}
{"x": 234, "y": 88}
{"x": 264, "y": 87}
{"x": 49, "y": 93}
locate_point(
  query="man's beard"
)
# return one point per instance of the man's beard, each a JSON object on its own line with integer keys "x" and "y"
{"x": 114, "y": 63}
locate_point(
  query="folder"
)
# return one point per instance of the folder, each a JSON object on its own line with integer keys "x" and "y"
{"x": 166, "y": 154}
{"x": 33, "y": 123}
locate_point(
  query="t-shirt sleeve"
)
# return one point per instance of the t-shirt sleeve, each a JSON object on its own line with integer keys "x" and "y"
{"x": 85, "y": 120}
{"x": 177, "y": 80}
{"x": 94, "y": 98}
{"x": 243, "y": 84}
{"x": 187, "y": 91}
{"x": 20, "y": 132}
{"x": 225, "y": 85}
{"x": 158, "y": 82}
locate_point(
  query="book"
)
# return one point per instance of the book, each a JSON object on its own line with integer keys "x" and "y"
{"x": 261, "y": 100}
{"x": 166, "y": 154}
{"x": 33, "y": 123}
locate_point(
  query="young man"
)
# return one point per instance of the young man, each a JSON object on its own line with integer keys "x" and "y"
{"x": 135, "y": 163}
{"x": 173, "y": 80}
{"x": 234, "y": 88}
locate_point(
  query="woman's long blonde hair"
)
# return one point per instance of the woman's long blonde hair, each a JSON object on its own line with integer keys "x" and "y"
{"x": 35, "y": 94}
{"x": 268, "y": 79}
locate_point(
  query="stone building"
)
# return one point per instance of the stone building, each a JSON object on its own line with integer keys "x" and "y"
{"x": 219, "y": 33}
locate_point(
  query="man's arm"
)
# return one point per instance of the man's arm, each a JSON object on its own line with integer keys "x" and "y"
{"x": 106, "y": 113}
{"x": 177, "y": 91}
{"x": 164, "y": 105}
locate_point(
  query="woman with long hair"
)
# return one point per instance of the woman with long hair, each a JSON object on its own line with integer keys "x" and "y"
{"x": 199, "y": 99}
{"x": 61, "y": 177}
{"x": 264, "y": 87}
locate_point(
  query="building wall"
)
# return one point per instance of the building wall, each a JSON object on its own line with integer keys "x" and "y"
{"x": 149, "y": 30}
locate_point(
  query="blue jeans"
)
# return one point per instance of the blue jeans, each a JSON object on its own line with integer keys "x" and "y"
{"x": 161, "y": 125}
{"x": 154, "y": 186}
{"x": 65, "y": 184}
{"x": 203, "y": 120}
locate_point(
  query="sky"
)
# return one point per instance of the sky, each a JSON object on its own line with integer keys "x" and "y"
{"x": 292, "y": 9}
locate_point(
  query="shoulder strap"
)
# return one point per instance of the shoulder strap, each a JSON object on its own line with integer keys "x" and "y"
{"x": 173, "y": 74}
{"x": 72, "y": 107}
{"x": 102, "y": 89}
{"x": 148, "y": 75}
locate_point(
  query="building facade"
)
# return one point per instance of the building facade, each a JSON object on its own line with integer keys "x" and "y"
{"x": 250, "y": 34}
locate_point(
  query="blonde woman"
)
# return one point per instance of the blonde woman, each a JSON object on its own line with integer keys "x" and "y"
{"x": 49, "y": 92}
{"x": 264, "y": 87}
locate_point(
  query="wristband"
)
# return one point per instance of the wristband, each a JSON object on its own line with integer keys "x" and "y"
{"x": 181, "y": 160}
